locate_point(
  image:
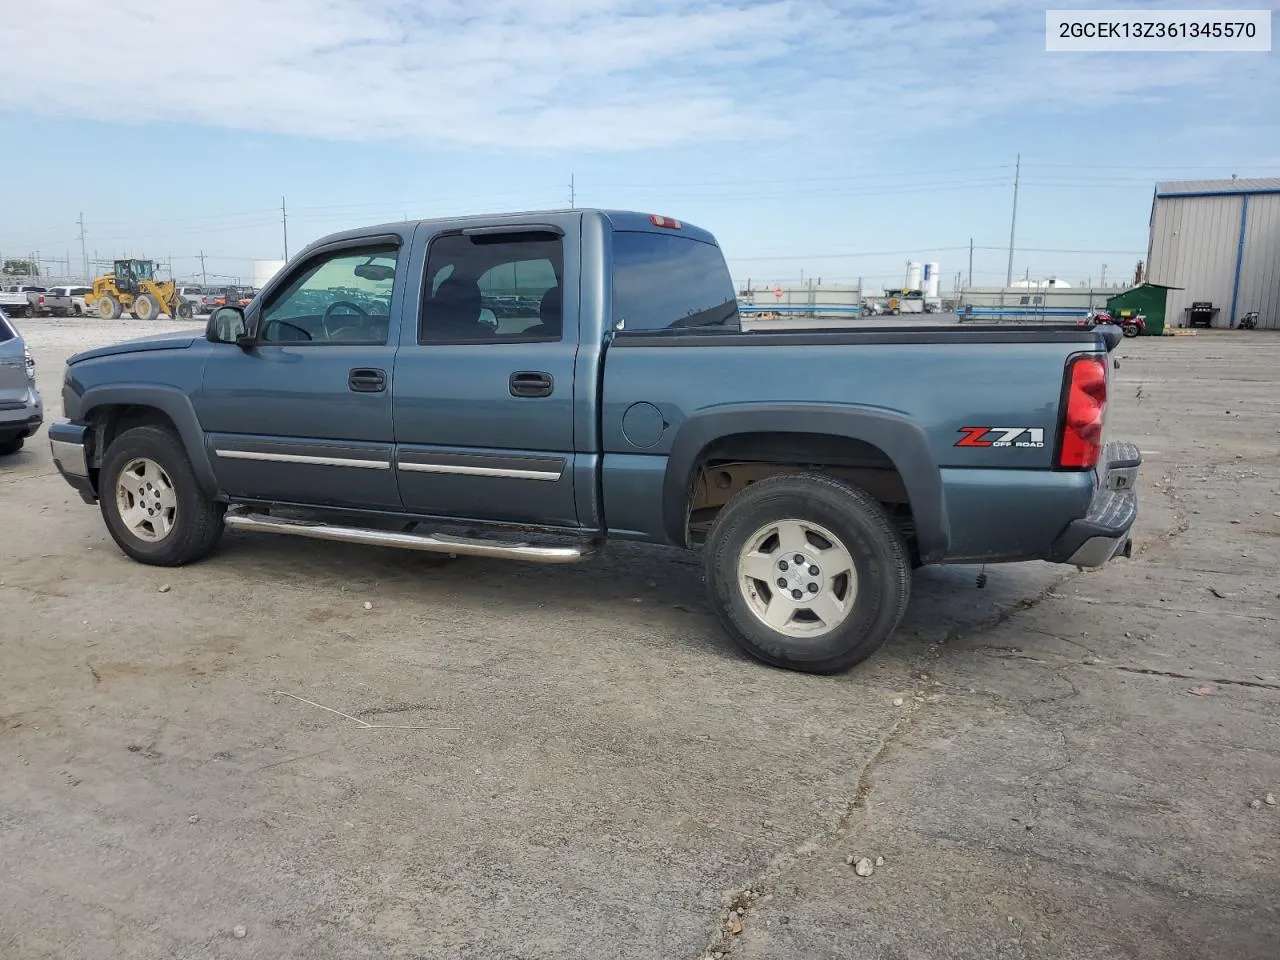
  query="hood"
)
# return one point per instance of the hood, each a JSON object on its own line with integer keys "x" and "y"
{"x": 160, "y": 341}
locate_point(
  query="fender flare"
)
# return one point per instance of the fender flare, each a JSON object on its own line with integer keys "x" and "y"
{"x": 172, "y": 402}
{"x": 901, "y": 439}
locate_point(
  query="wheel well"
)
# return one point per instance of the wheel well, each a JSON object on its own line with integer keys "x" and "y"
{"x": 732, "y": 463}
{"x": 111, "y": 420}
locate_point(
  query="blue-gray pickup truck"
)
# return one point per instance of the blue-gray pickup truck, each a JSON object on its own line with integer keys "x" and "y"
{"x": 530, "y": 386}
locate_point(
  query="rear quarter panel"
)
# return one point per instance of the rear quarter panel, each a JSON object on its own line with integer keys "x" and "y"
{"x": 1000, "y": 502}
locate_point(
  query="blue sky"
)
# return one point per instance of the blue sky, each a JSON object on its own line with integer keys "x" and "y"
{"x": 832, "y": 137}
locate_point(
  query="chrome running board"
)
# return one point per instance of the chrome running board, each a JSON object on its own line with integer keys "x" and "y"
{"x": 434, "y": 543}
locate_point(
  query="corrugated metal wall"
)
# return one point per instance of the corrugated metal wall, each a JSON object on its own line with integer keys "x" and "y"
{"x": 1194, "y": 243}
{"x": 1260, "y": 269}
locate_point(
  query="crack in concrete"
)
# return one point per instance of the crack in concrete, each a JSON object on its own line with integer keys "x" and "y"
{"x": 1149, "y": 672}
{"x": 1013, "y": 653}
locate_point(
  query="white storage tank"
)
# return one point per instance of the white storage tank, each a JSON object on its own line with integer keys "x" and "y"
{"x": 931, "y": 280}
{"x": 913, "y": 275}
{"x": 264, "y": 270}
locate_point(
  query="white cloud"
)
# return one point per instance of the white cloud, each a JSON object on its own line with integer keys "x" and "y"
{"x": 563, "y": 74}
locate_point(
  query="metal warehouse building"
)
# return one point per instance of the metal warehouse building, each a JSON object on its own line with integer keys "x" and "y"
{"x": 1218, "y": 240}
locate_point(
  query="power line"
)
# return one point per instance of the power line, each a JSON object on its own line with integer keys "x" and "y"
{"x": 865, "y": 253}
{"x": 845, "y": 177}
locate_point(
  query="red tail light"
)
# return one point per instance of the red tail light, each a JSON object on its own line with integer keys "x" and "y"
{"x": 1084, "y": 410}
{"x": 42, "y": 299}
{"x": 667, "y": 222}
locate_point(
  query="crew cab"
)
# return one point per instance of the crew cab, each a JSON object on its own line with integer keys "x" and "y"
{"x": 67, "y": 301}
{"x": 532, "y": 386}
{"x": 23, "y": 300}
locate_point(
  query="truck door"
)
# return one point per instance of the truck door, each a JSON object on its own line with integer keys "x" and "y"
{"x": 484, "y": 382}
{"x": 304, "y": 415}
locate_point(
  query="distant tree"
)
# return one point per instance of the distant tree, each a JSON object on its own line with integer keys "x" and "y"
{"x": 20, "y": 268}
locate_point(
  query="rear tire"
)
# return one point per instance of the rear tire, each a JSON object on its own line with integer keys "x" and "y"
{"x": 145, "y": 307}
{"x": 11, "y": 446}
{"x": 1131, "y": 331}
{"x": 843, "y": 534}
{"x": 152, "y": 502}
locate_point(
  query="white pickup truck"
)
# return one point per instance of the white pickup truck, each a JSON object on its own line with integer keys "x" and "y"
{"x": 22, "y": 300}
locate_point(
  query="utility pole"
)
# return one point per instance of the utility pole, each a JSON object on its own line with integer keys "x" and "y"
{"x": 1013, "y": 220}
{"x": 1103, "y": 281}
{"x": 971, "y": 261}
{"x": 204, "y": 277}
{"x": 83, "y": 255}
{"x": 573, "y": 194}
{"x": 284, "y": 226}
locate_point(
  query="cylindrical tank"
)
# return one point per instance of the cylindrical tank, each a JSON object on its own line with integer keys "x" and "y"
{"x": 931, "y": 280}
{"x": 913, "y": 275}
{"x": 264, "y": 270}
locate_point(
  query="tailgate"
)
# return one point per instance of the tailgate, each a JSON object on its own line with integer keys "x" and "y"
{"x": 14, "y": 383}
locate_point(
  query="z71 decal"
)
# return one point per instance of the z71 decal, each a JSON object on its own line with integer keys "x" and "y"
{"x": 1031, "y": 437}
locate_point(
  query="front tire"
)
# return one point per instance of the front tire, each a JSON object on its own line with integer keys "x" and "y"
{"x": 831, "y": 608}
{"x": 184, "y": 310}
{"x": 109, "y": 307}
{"x": 145, "y": 307}
{"x": 11, "y": 446}
{"x": 1131, "y": 331}
{"x": 152, "y": 502}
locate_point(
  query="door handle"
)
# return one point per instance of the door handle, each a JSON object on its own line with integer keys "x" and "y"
{"x": 367, "y": 380}
{"x": 532, "y": 383}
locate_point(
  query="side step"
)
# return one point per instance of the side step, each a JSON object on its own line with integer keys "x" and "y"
{"x": 437, "y": 543}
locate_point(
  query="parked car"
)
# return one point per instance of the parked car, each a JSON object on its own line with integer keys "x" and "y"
{"x": 21, "y": 410}
{"x": 234, "y": 297}
{"x": 23, "y": 300}
{"x": 815, "y": 468}
{"x": 67, "y": 301}
{"x": 198, "y": 297}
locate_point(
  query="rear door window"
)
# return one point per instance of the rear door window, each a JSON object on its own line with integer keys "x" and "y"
{"x": 670, "y": 282}
{"x": 493, "y": 288}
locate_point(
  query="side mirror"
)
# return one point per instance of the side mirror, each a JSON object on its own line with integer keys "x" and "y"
{"x": 227, "y": 325}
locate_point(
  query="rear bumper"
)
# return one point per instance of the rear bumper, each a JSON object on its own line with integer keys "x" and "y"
{"x": 21, "y": 418}
{"x": 67, "y": 443}
{"x": 1104, "y": 533}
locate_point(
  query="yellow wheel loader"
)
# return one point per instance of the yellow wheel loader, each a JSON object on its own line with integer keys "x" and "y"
{"x": 133, "y": 288}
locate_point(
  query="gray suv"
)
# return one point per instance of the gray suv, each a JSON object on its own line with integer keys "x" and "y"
{"x": 21, "y": 411}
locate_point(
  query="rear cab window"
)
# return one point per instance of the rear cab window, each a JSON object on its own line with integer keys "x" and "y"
{"x": 666, "y": 281}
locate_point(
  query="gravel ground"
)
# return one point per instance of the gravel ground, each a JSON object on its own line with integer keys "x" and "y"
{"x": 573, "y": 762}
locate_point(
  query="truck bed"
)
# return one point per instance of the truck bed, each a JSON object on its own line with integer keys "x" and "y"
{"x": 919, "y": 387}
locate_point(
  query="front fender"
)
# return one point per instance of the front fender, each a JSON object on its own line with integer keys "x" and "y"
{"x": 175, "y": 404}
{"x": 900, "y": 438}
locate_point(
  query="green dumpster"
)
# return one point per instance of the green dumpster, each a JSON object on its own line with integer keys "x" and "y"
{"x": 1147, "y": 299}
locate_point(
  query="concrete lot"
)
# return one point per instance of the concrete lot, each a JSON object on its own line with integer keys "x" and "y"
{"x": 573, "y": 762}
